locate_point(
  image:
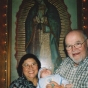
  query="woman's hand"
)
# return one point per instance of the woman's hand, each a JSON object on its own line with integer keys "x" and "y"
{"x": 54, "y": 85}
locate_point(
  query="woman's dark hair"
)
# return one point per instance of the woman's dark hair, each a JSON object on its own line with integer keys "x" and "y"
{"x": 25, "y": 57}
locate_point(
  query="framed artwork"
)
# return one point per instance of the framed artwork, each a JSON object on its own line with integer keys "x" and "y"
{"x": 40, "y": 29}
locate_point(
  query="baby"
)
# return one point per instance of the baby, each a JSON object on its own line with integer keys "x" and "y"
{"x": 45, "y": 77}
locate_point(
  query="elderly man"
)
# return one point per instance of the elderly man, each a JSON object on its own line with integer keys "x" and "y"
{"x": 74, "y": 68}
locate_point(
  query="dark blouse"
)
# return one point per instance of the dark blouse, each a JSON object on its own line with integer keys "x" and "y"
{"x": 21, "y": 82}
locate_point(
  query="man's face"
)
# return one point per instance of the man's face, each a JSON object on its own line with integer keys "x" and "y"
{"x": 76, "y": 54}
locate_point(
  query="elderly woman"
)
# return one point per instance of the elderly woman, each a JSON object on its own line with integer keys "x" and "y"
{"x": 27, "y": 70}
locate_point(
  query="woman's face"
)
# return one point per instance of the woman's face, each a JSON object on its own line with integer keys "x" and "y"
{"x": 30, "y": 68}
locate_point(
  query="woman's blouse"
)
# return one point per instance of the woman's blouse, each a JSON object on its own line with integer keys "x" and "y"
{"x": 21, "y": 82}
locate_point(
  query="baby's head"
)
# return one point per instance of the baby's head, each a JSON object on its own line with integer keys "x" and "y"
{"x": 45, "y": 72}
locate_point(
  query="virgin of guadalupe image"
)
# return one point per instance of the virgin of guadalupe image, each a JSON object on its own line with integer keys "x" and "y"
{"x": 42, "y": 33}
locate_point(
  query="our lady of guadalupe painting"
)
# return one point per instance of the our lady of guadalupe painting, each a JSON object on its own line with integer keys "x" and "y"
{"x": 40, "y": 29}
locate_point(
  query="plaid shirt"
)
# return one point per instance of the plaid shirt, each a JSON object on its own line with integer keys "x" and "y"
{"x": 76, "y": 75}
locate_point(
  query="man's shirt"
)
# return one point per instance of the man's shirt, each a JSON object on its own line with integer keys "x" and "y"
{"x": 76, "y": 75}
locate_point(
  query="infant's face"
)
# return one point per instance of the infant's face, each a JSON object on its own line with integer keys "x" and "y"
{"x": 45, "y": 72}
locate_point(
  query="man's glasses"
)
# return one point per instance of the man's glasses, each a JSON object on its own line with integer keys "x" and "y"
{"x": 77, "y": 45}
